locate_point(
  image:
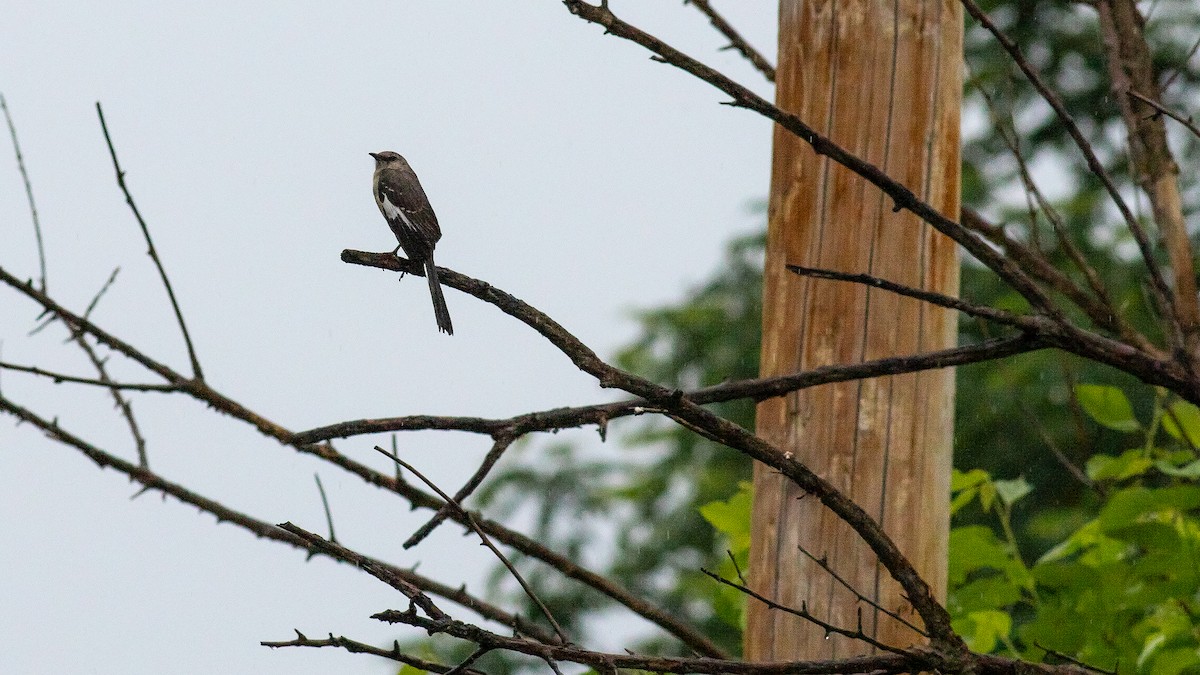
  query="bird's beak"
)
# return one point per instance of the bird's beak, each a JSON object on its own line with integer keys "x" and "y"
{"x": 375, "y": 155}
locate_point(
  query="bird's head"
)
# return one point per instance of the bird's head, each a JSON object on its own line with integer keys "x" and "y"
{"x": 388, "y": 158}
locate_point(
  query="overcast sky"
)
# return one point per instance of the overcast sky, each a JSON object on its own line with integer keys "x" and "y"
{"x": 565, "y": 167}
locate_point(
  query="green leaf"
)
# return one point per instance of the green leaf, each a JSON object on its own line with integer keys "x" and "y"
{"x": 963, "y": 480}
{"x": 1191, "y": 470}
{"x": 992, "y": 592}
{"x": 1139, "y": 504}
{"x": 1108, "y": 406}
{"x": 987, "y": 627}
{"x": 1188, "y": 426}
{"x": 1175, "y": 661}
{"x": 1152, "y": 645}
{"x": 987, "y": 495}
{"x": 975, "y": 547}
{"x": 962, "y": 499}
{"x": 1129, "y": 464}
{"x": 1010, "y": 491}
{"x": 1085, "y": 537}
{"x": 732, "y": 517}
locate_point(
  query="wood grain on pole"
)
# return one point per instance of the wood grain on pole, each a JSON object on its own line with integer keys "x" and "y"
{"x": 883, "y": 79}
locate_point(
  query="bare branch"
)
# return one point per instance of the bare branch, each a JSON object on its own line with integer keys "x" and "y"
{"x": 486, "y": 542}
{"x": 1033, "y": 262}
{"x": 122, "y": 403}
{"x": 59, "y": 378}
{"x": 1000, "y": 316}
{"x": 201, "y": 391}
{"x": 824, "y": 564}
{"x": 499, "y": 446}
{"x": 1187, "y": 122}
{"x": 914, "y": 660}
{"x": 162, "y": 272}
{"x": 356, "y": 647}
{"x": 325, "y": 505}
{"x": 736, "y": 41}
{"x": 1100, "y": 309}
{"x": 803, "y": 613}
{"x": 671, "y": 401}
{"x": 383, "y": 572}
{"x": 33, "y": 214}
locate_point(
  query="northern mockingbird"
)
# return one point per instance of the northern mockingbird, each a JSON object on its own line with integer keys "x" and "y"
{"x": 402, "y": 201}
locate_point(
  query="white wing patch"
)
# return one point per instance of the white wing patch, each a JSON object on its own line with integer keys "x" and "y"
{"x": 393, "y": 212}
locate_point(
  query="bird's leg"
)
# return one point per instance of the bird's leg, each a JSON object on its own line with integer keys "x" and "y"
{"x": 396, "y": 252}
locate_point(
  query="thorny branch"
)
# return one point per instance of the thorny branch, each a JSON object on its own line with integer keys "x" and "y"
{"x": 150, "y": 250}
{"x": 33, "y": 212}
{"x": 356, "y": 647}
{"x": 485, "y": 540}
{"x": 829, "y": 628}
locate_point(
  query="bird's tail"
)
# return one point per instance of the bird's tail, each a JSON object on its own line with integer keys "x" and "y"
{"x": 439, "y": 301}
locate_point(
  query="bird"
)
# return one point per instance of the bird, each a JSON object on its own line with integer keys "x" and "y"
{"x": 403, "y": 203}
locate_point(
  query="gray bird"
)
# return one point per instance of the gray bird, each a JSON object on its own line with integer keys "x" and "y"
{"x": 403, "y": 203}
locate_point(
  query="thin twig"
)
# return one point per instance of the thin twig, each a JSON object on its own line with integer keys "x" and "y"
{"x": 940, "y": 299}
{"x": 384, "y": 572}
{"x": 736, "y": 41}
{"x": 1176, "y": 71}
{"x": 356, "y": 647}
{"x": 912, "y": 661}
{"x": 162, "y": 272}
{"x": 1076, "y": 473}
{"x": 824, "y": 564}
{"x": 499, "y": 446}
{"x": 37, "y": 226}
{"x": 325, "y": 504}
{"x": 112, "y": 279}
{"x": 1074, "y": 661}
{"x": 61, "y": 377}
{"x": 122, "y": 403}
{"x": 803, "y": 613}
{"x": 470, "y": 519}
{"x": 465, "y": 665}
{"x": 1185, "y": 121}
{"x": 1037, "y": 266}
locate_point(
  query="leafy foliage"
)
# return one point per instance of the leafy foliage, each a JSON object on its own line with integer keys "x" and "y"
{"x": 1123, "y": 589}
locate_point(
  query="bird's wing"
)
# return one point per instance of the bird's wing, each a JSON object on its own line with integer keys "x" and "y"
{"x": 405, "y": 205}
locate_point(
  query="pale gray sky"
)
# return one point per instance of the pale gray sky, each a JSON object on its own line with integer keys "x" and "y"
{"x": 565, "y": 167}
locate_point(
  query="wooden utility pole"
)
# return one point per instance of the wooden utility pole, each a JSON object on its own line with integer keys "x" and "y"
{"x": 884, "y": 80}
